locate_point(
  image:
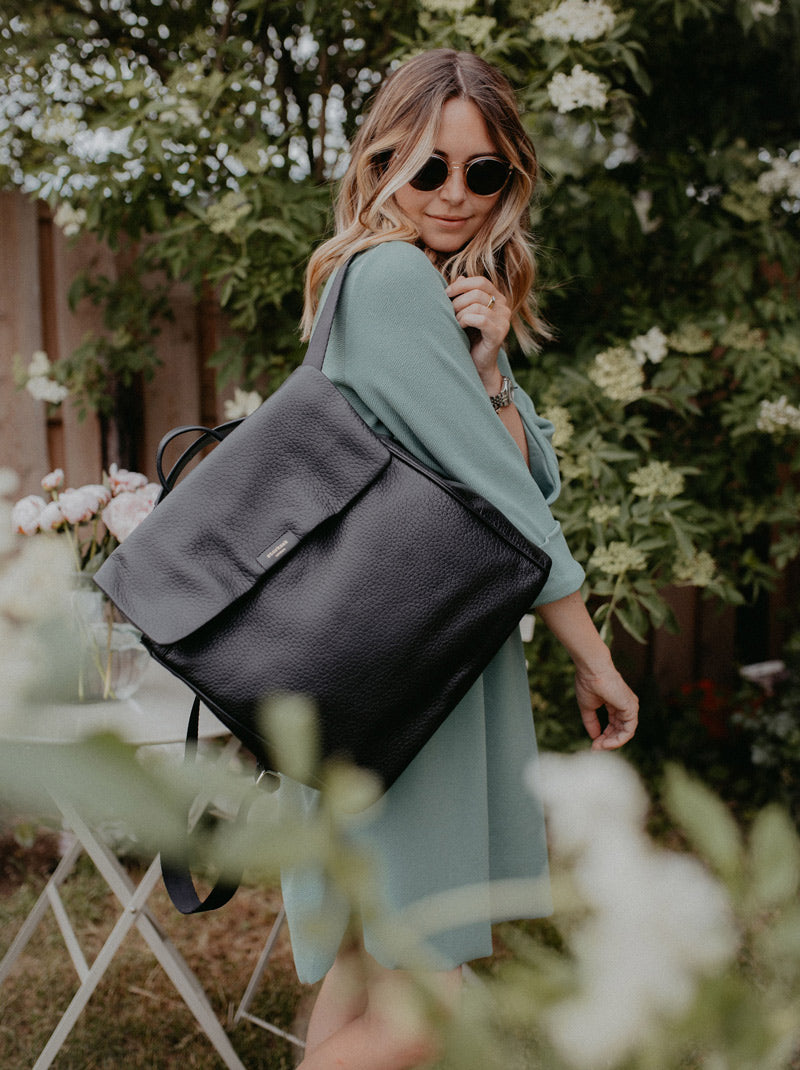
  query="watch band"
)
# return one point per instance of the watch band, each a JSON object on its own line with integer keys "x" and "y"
{"x": 506, "y": 395}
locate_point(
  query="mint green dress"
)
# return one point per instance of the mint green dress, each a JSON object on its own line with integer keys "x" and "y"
{"x": 462, "y": 814}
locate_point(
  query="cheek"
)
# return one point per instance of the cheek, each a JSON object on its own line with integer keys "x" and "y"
{"x": 411, "y": 201}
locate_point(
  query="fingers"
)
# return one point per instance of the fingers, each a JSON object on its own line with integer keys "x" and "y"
{"x": 622, "y": 706}
{"x": 479, "y": 305}
{"x": 477, "y": 296}
{"x": 614, "y": 735}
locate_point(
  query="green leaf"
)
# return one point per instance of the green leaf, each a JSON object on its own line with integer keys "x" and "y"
{"x": 774, "y": 857}
{"x": 706, "y": 820}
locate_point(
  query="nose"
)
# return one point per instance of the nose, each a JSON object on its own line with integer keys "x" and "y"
{"x": 455, "y": 188}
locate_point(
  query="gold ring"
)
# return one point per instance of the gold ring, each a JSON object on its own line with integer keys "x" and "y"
{"x": 491, "y": 302}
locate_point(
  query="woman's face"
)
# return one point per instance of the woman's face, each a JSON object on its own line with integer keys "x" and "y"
{"x": 448, "y": 217}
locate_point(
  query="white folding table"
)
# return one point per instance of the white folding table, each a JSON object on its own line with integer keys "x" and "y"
{"x": 156, "y": 714}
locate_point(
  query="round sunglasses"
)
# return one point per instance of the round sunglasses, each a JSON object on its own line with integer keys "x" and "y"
{"x": 484, "y": 176}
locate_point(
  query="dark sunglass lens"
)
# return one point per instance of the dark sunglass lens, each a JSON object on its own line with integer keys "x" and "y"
{"x": 431, "y": 175}
{"x": 486, "y": 177}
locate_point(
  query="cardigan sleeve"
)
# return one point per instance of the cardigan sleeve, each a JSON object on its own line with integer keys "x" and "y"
{"x": 399, "y": 356}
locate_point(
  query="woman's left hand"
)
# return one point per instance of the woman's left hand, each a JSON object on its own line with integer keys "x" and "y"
{"x": 479, "y": 305}
{"x": 607, "y": 688}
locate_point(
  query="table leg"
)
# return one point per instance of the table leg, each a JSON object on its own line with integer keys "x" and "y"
{"x": 133, "y": 899}
{"x": 60, "y": 874}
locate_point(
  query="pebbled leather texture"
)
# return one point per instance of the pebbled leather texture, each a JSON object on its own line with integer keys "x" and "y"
{"x": 383, "y": 590}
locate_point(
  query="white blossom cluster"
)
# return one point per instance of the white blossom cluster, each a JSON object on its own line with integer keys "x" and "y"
{"x": 70, "y": 220}
{"x": 602, "y": 512}
{"x": 576, "y": 467}
{"x": 783, "y": 177}
{"x": 578, "y": 89}
{"x": 656, "y": 920}
{"x": 765, "y": 9}
{"x": 778, "y": 415}
{"x": 657, "y": 479}
{"x": 742, "y": 336}
{"x": 563, "y": 428}
{"x": 576, "y": 20}
{"x": 40, "y": 383}
{"x": 690, "y": 338}
{"x": 652, "y": 346}
{"x": 698, "y": 570}
{"x": 448, "y": 7}
{"x": 642, "y": 206}
{"x": 224, "y": 216}
{"x": 242, "y": 404}
{"x": 476, "y": 28}
{"x": 618, "y": 374}
{"x": 618, "y": 558}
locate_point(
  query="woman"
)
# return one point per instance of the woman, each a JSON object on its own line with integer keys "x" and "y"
{"x": 434, "y": 203}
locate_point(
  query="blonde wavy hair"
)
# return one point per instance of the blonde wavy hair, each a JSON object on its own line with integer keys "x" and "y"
{"x": 394, "y": 141}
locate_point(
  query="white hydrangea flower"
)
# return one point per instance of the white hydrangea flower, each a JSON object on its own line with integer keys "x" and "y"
{"x": 765, "y": 9}
{"x": 656, "y": 920}
{"x": 778, "y": 416}
{"x": 617, "y": 558}
{"x": 618, "y": 374}
{"x": 783, "y": 177}
{"x": 657, "y": 479}
{"x": 242, "y": 404}
{"x": 695, "y": 571}
{"x": 70, "y": 220}
{"x": 578, "y": 89}
{"x": 44, "y": 389}
{"x": 576, "y": 20}
{"x": 652, "y": 346}
{"x": 39, "y": 365}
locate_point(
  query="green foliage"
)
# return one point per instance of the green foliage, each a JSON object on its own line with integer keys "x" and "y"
{"x": 669, "y": 198}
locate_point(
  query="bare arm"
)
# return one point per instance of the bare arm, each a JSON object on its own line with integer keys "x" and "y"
{"x": 597, "y": 682}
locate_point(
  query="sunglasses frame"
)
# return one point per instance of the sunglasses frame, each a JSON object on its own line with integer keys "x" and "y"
{"x": 465, "y": 168}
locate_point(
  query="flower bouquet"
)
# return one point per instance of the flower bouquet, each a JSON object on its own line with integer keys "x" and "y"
{"x": 95, "y": 519}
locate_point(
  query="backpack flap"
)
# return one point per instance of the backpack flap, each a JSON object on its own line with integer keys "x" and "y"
{"x": 297, "y": 461}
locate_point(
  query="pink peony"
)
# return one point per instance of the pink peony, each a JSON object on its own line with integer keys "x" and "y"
{"x": 125, "y": 512}
{"x": 54, "y": 480}
{"x": 122, "y": 480}
{"x": 83, "y": 504}
{"x": 25, "y": 514}
{"x": 51, "y": 517}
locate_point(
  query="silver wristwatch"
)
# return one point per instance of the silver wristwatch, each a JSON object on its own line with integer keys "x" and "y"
{"x": 506, "y": 395}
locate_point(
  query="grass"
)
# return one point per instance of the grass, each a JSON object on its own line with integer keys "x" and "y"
{"x": 135, "y": 1018}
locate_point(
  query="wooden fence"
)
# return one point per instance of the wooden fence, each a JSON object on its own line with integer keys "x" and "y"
{"x": 37, "y": 266}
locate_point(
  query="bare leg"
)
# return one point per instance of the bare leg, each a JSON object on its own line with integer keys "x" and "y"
{"x": 341, "y": 999}
{"x": 369, "y": 1018}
